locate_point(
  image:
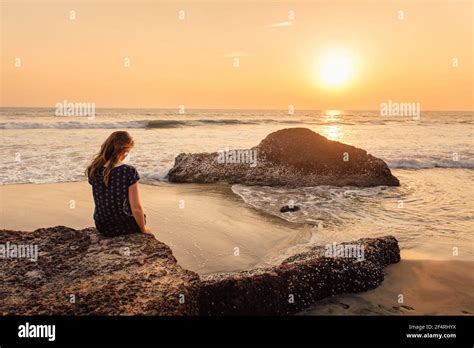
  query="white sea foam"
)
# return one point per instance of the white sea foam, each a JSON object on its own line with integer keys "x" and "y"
{"x": 71, "y": 125}
{"x": 42, "y": 148}
{"x": 429, "y": 163}
{"x": 435, "y": 204}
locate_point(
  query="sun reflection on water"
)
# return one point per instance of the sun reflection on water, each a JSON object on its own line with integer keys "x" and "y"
{"x": 332, "y": 132}
{"x": 332, "y": 115}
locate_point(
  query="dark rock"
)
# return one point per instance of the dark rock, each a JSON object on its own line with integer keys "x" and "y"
{"x": 290, "y": 157}
{"x": 298, "y": 282}
{"x": 138, "y": 275}
{"x": 128, "y": 275}
{"x": 287, "y": 208}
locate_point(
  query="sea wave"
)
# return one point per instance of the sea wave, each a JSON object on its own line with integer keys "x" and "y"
{"x": 134, "y": 124}
{"x": 97, "y": 123}
{"x": 319, "y": 204}
{"x": 71, "y": 125}
{"x": 165, "y": 123}
{"x": 429, "y": 163}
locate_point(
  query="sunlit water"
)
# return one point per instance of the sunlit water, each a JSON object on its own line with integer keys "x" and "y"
{"x": 431, "y": 212}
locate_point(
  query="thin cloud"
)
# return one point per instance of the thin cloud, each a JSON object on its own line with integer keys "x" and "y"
{"x": 280, "y": 24}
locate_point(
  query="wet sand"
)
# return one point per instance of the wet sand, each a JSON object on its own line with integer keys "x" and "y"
{"x": 428, "y": 287}
{"x": 211, "y": 230}
{"x": 208, "y": 228}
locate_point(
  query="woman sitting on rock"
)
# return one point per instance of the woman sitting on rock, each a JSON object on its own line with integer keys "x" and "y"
{"x": 118, "y": 208}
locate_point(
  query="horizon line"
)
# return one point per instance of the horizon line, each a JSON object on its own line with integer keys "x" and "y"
{"x": 213, "y": 108}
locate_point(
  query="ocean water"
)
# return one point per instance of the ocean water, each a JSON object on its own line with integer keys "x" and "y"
{"x": 431, "y": 212}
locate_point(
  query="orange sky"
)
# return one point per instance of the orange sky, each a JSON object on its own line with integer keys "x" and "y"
{"x": 190, "y": 61}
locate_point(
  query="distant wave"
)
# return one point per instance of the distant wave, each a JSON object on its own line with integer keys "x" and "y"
{"x": 71, "y": 125}
{"x": 197, "y": 123}
{"x": 178, "y": 123}
{"x": 428, "y": 163}
{"x": 163, "y": 124}
{"x": 138, "y": 124}
{"x": 157, "y": 124}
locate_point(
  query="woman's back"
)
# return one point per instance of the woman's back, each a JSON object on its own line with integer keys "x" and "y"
{"x": 112, "y": 213}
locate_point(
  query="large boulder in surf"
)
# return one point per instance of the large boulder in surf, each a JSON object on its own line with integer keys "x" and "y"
{"x": 288, "y": 157}
{"x": 79, "y": 272}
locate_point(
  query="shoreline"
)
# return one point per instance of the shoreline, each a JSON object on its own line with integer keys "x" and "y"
{"x": 197, "y": 221}
{"x": 23, "y": 208}
{"x": 203, "y": 236}
{"x": 428, "y": 287}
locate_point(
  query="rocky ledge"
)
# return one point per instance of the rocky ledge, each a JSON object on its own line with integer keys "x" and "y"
{"x": 78, "y": 272}
{"x": 299, "y": 281}
{"x": 83, "y": 273}
{"x": 288, "y": 157}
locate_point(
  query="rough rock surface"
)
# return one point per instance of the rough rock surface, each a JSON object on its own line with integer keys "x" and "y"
{"x": 298, "y": 282}
{"x": 289, "y": 157}
{"x": 138, "y": 275}
{"x": 134, "y": 274}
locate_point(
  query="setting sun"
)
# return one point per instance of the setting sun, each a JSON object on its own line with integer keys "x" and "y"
{"x": 335, "y": 69}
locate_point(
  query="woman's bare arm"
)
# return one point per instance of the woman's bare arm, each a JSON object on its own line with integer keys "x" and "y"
{"x": 136, "y": 207}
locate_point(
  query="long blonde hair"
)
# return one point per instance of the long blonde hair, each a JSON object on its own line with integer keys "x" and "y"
{"x": 115, "y": 145}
